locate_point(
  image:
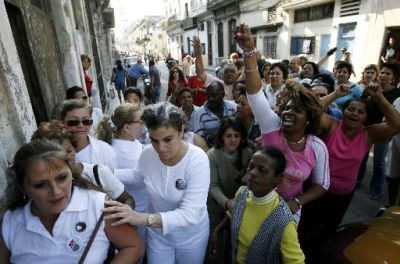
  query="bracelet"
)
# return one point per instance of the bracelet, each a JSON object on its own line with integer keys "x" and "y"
{"x": 297, "y": 201}
{"x": 255, "y": 70}
{"x": 250, "y": 53}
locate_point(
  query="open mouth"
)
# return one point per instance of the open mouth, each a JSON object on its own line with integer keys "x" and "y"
{"x": 288, "y": 120}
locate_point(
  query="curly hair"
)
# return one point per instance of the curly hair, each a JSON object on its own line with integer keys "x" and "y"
{"x": 122, "y": 115}
{"x": 53, "y": 130}
{"x": 163, "y": 114}
{"x": 307, "y": 100}
{"x": 395, "y": 68}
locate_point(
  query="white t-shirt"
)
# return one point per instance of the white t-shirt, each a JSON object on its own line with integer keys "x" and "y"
{"x": 98, "y": 152}
{"x": 179, "y": 194}
{"x": 109, "y": 182}
{"x": 29, "y": 242}
{"x": 128, "y": 153}
{"x": 97, "y": 114}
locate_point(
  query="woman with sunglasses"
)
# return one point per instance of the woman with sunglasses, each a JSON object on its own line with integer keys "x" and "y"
{"x": 76, "y": 92}
{"x": 55, "y": 131}
{"x": 292, "y": 132}
{"x": 77, "y": 118}
{"x": 176, "y": 81}
{"x": 121, "y": 131}
{"x": 177, "y": 176}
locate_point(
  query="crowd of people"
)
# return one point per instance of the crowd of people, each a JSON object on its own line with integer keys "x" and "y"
{"x": 257, "y": 164}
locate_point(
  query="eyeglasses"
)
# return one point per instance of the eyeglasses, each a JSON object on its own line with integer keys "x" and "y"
{"x": 86, "y": 122}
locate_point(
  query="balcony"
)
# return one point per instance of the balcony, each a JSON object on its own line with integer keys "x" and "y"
{"x": 108, "y": 17}
{"x": 189, "y": 23}
{"x": 213, "y": 5}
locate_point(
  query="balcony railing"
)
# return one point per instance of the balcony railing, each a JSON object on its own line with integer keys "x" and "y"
{"x": 189, "y": 23}
{"x": 213, "y": 5}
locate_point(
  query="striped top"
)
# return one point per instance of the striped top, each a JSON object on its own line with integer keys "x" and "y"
{"x": 207, "y": 123}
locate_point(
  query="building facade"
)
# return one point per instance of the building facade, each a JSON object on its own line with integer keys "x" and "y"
{"x": 284, "y": 29}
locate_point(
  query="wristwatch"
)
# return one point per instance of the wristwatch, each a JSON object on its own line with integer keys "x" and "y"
{"x": 150, "y": 220}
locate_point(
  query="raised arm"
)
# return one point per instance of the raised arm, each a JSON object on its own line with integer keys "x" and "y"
{"x": 200, "y": 72}
{"x": 267, "y": 119}
{"x": 244, "y": 39}
{"x": 391, "y": 126}
{"x": 326, "y": 57}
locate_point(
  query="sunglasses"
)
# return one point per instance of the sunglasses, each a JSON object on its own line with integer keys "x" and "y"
{"x": 86, "y": 122}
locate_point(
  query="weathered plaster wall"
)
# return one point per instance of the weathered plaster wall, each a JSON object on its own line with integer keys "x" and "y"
{"x": 17, "y": 121}
{"x": 42, "y": 42}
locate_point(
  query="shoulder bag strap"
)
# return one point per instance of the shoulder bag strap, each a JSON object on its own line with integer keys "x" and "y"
{"x": 96, "y": 175}
{"x": 90, "y": 242}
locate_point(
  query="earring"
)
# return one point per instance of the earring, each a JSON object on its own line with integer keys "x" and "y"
{"x": 307, "y": 123}
{"x": 25, "y": 197}
{"x": 73, "y": 181}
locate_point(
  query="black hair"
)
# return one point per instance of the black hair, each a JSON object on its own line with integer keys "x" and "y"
{"x": 346, "y": 65}
{"x": 70, "y": 94}
{"x": 278, "y": 156}
{"x": 395, "y": 69}
{"x": 329, "y": 82}
{"x": 239, "y": 82}
{"x": 235, "y": 124}
{"x": 282, "y": 66}
{"x": 313, "y": 65}
{"x": 133, "y": 90}
{"x": 368, "y": 108}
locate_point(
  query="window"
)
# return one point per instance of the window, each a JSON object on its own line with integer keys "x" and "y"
{"x": 302, "y": 45}
{"x": 314, "y": 13}
{"x": 270, "y": 46}
{"x": 231, "y": 32}
{"x": 203, "y": 47}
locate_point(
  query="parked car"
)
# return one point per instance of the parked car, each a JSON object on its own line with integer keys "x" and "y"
{"x": 129, "y": 61}
{"x": 370, "y": 242}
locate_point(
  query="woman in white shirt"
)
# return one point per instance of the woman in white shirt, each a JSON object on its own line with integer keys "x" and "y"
{"x": 121, "y": 131}
{"x": 177, "y": 176}
{"x": 77, "y": 118}
{"x": 53, "y": 212}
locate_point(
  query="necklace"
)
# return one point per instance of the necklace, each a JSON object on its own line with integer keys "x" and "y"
{"x": 296, "y": 142}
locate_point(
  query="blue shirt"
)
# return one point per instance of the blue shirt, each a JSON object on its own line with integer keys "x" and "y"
{"x": 355, "y": 93}
{"x": 137, "y": 70}
{"x": 207, "y": 123}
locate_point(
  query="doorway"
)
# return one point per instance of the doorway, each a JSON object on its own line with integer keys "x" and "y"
{"x": 27, "y": 63}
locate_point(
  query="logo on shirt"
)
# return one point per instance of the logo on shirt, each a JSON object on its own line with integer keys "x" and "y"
{"x": 74, "y": 244}
{"x": 80, "y": 227}
{"x": 180, "y": 185}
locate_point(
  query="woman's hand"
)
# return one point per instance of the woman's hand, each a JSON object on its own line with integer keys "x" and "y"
{"x": 230, "y": 204}
{"x": 373, "y": 89}
{"x": 244, "y": 38}
{"x": 294, "y": 207}
{"x": 342, "y": 90}
{"x": 196, "y": 46}
{"x": 121, "y": 213}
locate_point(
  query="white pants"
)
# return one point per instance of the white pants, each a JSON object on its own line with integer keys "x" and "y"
{"x": 166, "y": 254}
